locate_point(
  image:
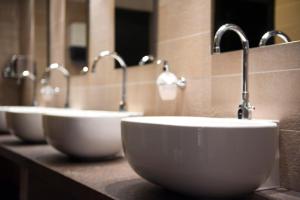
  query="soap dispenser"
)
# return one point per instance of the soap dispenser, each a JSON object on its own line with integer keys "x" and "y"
{"x": 167, "y": 82}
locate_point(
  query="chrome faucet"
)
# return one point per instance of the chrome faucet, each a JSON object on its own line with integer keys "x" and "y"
{"x": 65, "y": 72}
{"x": 122, "y": 105}
{"x": 245, "y": 109}
{"x": 32, "y": 77}
{"x": 264, "y": 39}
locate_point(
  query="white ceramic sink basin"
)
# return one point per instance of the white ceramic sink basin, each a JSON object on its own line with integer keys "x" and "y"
{"x": 201, "y": 156}
{"x": 26, "y": 122}
{"x": 3, "y": 122}
{"x": 85, "y": 134}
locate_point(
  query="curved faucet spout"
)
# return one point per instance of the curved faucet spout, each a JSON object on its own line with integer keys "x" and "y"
{"x": 245, "y": 108}
{"x": 66, "y": 74}
{"x": 116, "y": 56}
{"x": 264, "y": 39}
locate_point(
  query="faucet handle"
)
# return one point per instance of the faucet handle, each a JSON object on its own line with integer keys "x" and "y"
{"x": 245, "y": 111}
{"x": 122, "y": 106}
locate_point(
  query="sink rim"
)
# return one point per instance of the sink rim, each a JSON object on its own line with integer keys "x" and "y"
{"x": 67, "y": 112}
{"x": 200, "y": 122}
{"x": 29, "y": 109}
{"x": 77, "y": 113}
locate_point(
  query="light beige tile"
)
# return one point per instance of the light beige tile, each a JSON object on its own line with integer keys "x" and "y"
{"x": 96, "y": 97}
{"x": 273, "y": 94}
{"x": 269, "y": 58}
{"x": 179, "y": 18}
{"x": 227, "y": 63}
{"x": 275, "y": 57}
{"x": 57, "y": 31}
{"x": 196, "y": 100}
{"x": 225, "y": 96}
{"x": 142, "y": 98}
{"x": 189, "y": 57}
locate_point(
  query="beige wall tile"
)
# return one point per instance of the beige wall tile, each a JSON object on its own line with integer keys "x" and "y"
{"x": 142, "y": 98}
{"x": 179, "y": 18}
{"x": 57, "y": 31}
{"x": 189, "y": 57}
{"x": 269, "y": 58}
{"x": 196, "y": 100}
{"x": 273, "y": 95}
{"x": 275, "y": 57}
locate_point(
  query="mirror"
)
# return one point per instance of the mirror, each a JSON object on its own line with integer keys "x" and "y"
{"x": 41, "y": 40}
{"x": 256, "y": 17}
{"x": 135, "y": 29}
{"x": 77, "y": 22}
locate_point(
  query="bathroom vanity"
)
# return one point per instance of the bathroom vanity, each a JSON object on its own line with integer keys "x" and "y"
{"x": 44, "y": 173}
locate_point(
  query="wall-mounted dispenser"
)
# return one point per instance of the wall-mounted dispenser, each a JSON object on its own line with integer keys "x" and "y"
{"x": 167, "y": 82}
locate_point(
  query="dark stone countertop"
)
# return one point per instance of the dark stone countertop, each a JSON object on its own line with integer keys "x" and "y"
{"x": 107, "y": 179}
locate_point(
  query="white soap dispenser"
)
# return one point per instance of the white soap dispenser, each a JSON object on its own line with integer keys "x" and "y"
{"x": 167, "y": 82}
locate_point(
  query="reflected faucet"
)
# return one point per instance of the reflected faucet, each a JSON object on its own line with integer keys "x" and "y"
{"x": 245, "y": 109}
{"x": 122, "y": 105}
{"x": 264, "y": 39}
{"x": 65, "y": 72}
{"x": 32, "y": 77}
{"x": 10, "y": 70}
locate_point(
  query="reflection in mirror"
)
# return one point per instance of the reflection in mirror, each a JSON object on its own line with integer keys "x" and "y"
{"x": 76, "y": 35}
{"x": 41, "y": 40}
{"x": 256, "y": 18}
{"x": 135, "y": 29}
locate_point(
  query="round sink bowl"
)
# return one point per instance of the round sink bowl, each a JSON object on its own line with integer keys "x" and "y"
{"x": 26, "y": 122}
{"x": 85, "y": 134}
{"x": 196, "y": 156}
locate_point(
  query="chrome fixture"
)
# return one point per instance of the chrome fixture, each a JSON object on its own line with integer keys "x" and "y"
{"x": 245, "y": 108}
{"x": 32, "y": 77}
{"x": 167, "y": 81}
{"x": 11, "y": 69}
{"x": 65, "y": 72}
{"x": 122, "y": 105}
{"x": 264, "y": 39}
{"x": 146, "y": 59}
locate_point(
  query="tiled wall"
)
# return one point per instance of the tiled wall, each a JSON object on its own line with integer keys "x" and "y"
{"x": 274, "y": 91}
{"x": 213, "y": 88}
{"x": 9, "y": 45}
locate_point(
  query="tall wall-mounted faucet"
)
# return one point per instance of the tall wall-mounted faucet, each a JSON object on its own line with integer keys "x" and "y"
{"x": 122, "y": 105}
{"x": 66, "y": 74}
{"x": 264, "y": 39}
{"x": 245, "y": 109}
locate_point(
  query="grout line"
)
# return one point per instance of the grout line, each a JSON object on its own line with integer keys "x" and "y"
{"x": 131, "y": 83}
{"x": 288, "y": 130}
{"x": 183, "y": 37}
{"x": 114, "y": 85}
{"x": 254, "y": 73}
